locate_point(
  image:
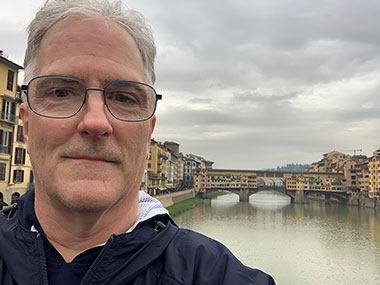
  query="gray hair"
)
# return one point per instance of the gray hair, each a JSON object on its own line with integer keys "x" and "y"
{"x": 55, "y": 11}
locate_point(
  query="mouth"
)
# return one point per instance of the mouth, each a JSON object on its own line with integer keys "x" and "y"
{"x": 86, "y": 159}
{"x": 99, "y": 155}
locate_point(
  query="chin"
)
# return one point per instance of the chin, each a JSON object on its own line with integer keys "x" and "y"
{"x": 90, "y": 197}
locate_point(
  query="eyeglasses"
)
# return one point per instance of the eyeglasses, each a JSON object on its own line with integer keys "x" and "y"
{"x": 59, "y": 96}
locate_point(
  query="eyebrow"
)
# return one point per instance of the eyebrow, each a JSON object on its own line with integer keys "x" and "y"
{"x": 104, "y": 81}
{"x": 48, "y": 81}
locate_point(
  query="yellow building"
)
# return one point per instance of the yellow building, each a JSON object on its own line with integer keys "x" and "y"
{"x": 363, "y": 178}
{"x": 21, "y": 176}
{"x": 374, "y": 174}
{"x": 332, "y": 161}
{"x": 356, "y": 173}
{"x": 214, "y": 179}
{"x": 303, "y": 183}
{"x": 315, "y": 181}
{"x": 156, "y": 168}
{"x": 224, "y": 179}
{"x": 8, "y": 120}
{"x": 291, "y": 182}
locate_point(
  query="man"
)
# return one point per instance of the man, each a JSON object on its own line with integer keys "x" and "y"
{"x": 88, "y": 118}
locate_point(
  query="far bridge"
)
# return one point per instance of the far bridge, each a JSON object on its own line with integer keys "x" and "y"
{"x": 296, "y": 185}
{"x": 296, "y": 196}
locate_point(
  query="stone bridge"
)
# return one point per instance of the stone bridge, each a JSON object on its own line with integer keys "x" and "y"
{"x": 297, "y": 185}
{"x": 296, "y": 196}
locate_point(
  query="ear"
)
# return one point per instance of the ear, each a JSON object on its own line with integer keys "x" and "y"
{"x": 153, "y": 124}
{"x": 24, "y": 112}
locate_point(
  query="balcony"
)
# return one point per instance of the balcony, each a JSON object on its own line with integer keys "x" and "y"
{"x": 10, "y": 118}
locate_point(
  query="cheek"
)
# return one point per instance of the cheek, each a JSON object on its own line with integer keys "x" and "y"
{"x": 136, "y": 140}
{"x": 44, "y": 136}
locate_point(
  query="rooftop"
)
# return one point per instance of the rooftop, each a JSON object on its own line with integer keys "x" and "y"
{"x": 6, "y": 61}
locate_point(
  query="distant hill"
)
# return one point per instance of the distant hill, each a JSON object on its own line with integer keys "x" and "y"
{"x": 291, "y": 167}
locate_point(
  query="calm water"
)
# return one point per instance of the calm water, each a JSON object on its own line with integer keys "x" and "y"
{"x": 315, "y": 243}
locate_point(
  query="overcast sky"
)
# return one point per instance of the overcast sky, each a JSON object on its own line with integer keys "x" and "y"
{"x": 255, "y": 84}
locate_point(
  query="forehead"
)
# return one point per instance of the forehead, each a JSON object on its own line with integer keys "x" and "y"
{"x": 90, "y": 46}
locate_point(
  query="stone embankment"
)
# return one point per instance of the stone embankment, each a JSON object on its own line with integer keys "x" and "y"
{"x": 179, "y": 202}
{"x": 354, "y": 199}
{"x": 362, "y": 201}
{"x": 172, "y": 198}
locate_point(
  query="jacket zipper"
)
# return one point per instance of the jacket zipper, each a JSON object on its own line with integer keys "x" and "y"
{"x": 91, "y": 270}
{"x": 44, "y": 275}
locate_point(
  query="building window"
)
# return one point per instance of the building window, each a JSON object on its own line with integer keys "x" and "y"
{"x": 31, "y": 177}
{"x": 20, "y": 155}
{"x": 3, "y": 171}
{"x": 5, "y": 141}
{"x": 20, "y": 134}
{"x": 4, "y": 138}
{"x": 11, "y": 76}
{"x": 18, "y": 176}
{"x": 8, "y": 111}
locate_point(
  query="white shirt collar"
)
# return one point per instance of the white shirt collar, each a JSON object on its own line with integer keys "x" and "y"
{"x": 148, "y": 208}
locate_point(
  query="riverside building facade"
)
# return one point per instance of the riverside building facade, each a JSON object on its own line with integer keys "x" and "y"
{"x": 374, "y": 174}
{"x": 16, "y": 174}
{"x": 167, "y": 169}
{"x": 361, "y": 173}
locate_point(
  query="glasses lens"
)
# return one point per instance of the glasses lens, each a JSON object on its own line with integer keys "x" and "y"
{"x": 56, "y": 96}
{"x": 130, "y": 100}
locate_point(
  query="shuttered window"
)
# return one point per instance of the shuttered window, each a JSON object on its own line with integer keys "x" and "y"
{"x": 10, "y": 80}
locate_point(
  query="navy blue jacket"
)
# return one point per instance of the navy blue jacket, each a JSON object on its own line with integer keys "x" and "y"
{"x": 156, "y": 252}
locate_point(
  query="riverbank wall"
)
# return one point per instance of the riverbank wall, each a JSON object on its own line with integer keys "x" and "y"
{"x": 187, "y": 204}
{"x": 172, "y": 198}
{"x": 354, "y": 199}
{"x": 362, "y": 201}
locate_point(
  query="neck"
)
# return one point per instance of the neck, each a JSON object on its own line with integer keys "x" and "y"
{"x": 72, "y": 232}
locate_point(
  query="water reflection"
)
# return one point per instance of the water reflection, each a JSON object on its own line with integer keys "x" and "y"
{"x": 270, "y": 200}
{"x": 314, "y": 243}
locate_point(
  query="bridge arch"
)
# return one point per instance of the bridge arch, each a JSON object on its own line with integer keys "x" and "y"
{"x": 244, "y": 194}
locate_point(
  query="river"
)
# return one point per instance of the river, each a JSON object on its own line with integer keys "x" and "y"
{"x": 313, "y": 243}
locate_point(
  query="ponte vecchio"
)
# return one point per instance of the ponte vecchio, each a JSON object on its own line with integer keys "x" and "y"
{"x": 294, "y": 184}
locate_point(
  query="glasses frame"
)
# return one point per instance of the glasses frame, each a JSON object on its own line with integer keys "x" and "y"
{"x": 25, "y": 88}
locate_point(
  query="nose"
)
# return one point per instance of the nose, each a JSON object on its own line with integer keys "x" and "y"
{"x": 95, "y": 117}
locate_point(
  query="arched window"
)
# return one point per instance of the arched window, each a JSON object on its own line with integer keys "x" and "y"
{"x": 15, "y": 196}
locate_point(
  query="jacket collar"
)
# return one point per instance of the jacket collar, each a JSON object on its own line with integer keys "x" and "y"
{"x": 149, "y": 207}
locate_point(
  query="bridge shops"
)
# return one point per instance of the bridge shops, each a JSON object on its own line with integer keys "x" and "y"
{"x": 297, "y": 185}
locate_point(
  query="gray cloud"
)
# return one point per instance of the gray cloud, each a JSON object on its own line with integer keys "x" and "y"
{"x": 253, "y": 84}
